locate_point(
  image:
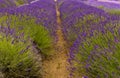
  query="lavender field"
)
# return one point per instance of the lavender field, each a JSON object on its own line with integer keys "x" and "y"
{"x": 59, "y": 39}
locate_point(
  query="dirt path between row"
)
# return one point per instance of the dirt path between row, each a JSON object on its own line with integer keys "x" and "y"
{"x": 57, "y": 66}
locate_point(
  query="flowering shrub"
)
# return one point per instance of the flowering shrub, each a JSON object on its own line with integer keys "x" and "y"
{"x": 16, "y": 57}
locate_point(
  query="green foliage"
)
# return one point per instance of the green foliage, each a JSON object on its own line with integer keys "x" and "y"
{"x": 19, "y": 2}
{"x": 39, "y": 35}
{"x": 16, "y": 59}
{"x": 102, "y": 7}
{"x": 114, "y": 12}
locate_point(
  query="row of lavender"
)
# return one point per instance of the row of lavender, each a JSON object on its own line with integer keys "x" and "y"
{"x": 77, "y": 12}
{"x": 42, "y": 12}
{"x": 39, "y": 10}
{"x": 25, "y": 34}
{"x": 93, "y": 36}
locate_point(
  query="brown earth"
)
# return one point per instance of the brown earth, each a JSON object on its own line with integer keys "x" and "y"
{"x": 56, "y": 67}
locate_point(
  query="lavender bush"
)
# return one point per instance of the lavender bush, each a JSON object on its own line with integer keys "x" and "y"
{"x": 16, "y": 56}
{"x": 39, "y": 35}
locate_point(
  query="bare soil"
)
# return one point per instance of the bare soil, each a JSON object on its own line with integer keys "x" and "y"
{"x": 57, "y": 66}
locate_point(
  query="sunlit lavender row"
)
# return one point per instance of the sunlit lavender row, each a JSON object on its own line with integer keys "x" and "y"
{"x": 93, "y": 36}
